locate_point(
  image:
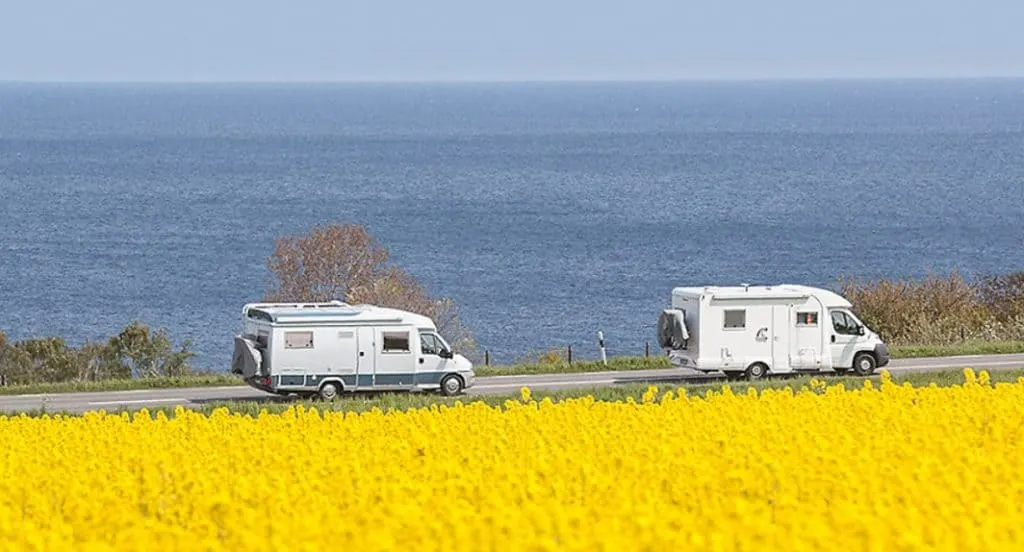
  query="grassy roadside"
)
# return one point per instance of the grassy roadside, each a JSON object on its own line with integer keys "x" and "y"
{"x": 385, "y": 402}
{"x": 406, "y": 401}
{"x": 959, "y": 349}
{"x": 199, "y": 380}
{"x": 623, "y": 363}
{"x": 654, "y": 362}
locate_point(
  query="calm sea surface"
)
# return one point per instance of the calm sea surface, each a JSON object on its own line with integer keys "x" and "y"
{"x": 547, "y": 211}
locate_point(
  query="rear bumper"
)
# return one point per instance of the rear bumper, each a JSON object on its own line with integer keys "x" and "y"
{"x": 882, "y": 354}
{"x": 682, "y": 359}
{"x": 263, "y": 383}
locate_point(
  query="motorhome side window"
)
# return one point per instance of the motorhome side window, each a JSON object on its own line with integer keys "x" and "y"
{"x": 735, "y": 319}
{"x": 298, "y": 340}
{"x": 396, "y": 342}
{"x": 806, "y": 319}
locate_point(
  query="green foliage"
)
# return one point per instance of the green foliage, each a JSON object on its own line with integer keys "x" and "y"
{"x": 136, "y": 352}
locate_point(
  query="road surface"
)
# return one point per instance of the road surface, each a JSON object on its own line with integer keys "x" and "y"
{"x": 198, "y": 396}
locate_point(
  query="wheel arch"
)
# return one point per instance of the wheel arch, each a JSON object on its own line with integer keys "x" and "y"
{"x": 331, "y": 379}
{"x": 446, "y": 375}
{"x": 869, "y": 352}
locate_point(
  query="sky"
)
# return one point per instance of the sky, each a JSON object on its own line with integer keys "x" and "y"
{"x": 487, "y": 40}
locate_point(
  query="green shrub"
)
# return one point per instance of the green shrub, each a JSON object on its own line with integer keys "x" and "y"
{"x": 136, "y": 352}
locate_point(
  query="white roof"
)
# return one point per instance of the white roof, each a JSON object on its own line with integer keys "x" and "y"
{"x": 828, "y": 298}
{"x": 332, "y": 313}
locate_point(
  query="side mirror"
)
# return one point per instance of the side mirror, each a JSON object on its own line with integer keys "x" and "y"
{"x": 445, "y": 353}
{"x": 861, "y": 330}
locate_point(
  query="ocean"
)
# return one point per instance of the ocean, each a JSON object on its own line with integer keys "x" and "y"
{"x": 546, "y": 211}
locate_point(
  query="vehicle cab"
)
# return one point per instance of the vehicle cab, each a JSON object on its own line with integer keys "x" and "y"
{"x": 853, "y": 345}
{"x": 437, "y": 357}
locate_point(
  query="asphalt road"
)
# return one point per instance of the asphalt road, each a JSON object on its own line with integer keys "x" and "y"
{"x": 195, "y": 397}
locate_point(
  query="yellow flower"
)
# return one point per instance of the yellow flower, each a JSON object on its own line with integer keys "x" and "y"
{"x": 721, "y": 471}
{"x": 885, "y": 376}
{"x": 983, "y": 378}
{"x": 969, "y": 377}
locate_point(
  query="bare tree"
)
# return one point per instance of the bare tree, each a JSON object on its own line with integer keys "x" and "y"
{"x": 344, "y": 261}
{"x": 325, "y": 264}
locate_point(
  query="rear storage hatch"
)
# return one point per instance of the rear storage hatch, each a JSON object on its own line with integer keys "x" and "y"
{"x": 247, "y": 359}
{"x": 672, "y": 331}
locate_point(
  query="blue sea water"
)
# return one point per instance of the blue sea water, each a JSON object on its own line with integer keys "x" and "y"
{"x": 546, "y": 211}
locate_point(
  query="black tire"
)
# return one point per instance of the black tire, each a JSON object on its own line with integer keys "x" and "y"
{"x": 864, "y": 364}
{"x": 756, "y": 371}
{"x": 329, "y": 391}
{"x": 452, "y": 385}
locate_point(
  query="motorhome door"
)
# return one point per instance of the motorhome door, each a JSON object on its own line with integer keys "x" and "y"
{"x": 431, "y": 364}
{"x": 807, "y": 340}
{"x": 781, "y": 336}
{"x": 367, "y": 356}
{"x": 395, "y": 363}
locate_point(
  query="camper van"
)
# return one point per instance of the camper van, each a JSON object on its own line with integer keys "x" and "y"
{"x": 324, "y": 349}
{"x": 753, "y": 331}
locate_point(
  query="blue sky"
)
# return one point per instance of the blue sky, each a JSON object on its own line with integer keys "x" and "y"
{"x": 395, "y": 40}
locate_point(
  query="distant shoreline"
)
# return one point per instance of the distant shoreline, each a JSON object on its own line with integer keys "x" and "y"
{"x": 893, "y": 79}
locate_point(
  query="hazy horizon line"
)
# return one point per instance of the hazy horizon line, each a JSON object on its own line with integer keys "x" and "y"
{"x": 535, "y": 80}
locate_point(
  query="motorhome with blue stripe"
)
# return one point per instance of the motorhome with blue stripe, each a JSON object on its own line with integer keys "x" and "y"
{"x": 328, "y": 348}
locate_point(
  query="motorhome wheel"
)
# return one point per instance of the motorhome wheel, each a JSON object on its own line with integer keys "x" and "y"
{"x": 864, "y": 364}
{"x": 329, "y": 391}
{"x": 756, "y": 371}
{"x": 451, "y": 385}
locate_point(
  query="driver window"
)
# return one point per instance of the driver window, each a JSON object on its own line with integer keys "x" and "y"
{"x": 843, "y": 323}
{"x": 429, "y": 344}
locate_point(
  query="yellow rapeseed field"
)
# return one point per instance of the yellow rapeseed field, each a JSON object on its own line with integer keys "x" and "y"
{"x": 879, "y": 468}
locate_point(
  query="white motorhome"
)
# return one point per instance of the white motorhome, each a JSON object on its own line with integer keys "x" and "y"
{"x": 324, "y": 349}
{"x": 754, "y": 331}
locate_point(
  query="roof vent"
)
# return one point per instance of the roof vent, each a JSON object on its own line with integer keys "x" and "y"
{"x": 746, "y": 287}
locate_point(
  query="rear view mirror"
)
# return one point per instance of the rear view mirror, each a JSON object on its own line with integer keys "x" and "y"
{"x": 445, "y": 353}
{"x": 860, "y": 330}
